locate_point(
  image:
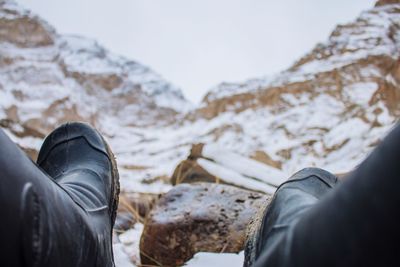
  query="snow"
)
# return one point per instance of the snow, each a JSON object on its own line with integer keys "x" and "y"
{"x": 215, "y": 259}
{"x": 121, "y": 259}
{"x": 126, "y": 247}
{"x": 85, "y": 55}
{"x": 361, "y": 93}
{"x": 243, "y": 165}
{"x": 38, "y": 54}
{"x": 6, "y": 100}
{"x": 235, "y": 178}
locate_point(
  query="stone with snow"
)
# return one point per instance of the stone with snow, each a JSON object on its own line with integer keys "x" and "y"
{"x": 200, "y": 217}
{"x": 211, "y": 163}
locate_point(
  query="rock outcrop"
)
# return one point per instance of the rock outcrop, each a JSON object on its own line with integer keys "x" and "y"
{"x": 199, "y": 217}
{"x": 208, "y": 163}
{"x": 329, "y": 109}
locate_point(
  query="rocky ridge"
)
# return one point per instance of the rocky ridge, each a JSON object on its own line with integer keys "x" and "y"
{"x": 329, "y": 108}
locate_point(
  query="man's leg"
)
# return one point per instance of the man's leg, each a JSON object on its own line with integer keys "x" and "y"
{"x": 353, "y": 225}
{"x": 17, "y": 177}
{"x": 57, "y": 221}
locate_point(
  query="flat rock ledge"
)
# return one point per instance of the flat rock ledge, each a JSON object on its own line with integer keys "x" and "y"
{"x": 199, "y": 217}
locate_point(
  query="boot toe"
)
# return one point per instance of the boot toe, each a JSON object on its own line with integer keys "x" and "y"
{"x": 326, "y": 177}
{"x": 68, "y": 132}
{"x": 312, "y": 181}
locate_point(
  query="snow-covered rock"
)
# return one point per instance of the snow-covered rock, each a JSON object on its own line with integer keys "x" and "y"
{"x": 211, "y": 163}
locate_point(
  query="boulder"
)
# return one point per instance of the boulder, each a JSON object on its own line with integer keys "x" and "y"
{"x": 199, "y": 217}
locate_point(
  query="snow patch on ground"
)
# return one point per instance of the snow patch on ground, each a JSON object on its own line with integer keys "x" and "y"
{"x": 215, "y": 259}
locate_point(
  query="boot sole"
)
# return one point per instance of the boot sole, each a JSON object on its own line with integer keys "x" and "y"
{"x": 115, "y": 186}
{"x": 253, "y": 234}
{"x": 115, "y": 189}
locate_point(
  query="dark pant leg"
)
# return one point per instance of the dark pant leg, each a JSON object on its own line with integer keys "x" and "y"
{"x": 12, "y": 184}
{"x": 40, "y": 224}
{"x": 356, "y": 224}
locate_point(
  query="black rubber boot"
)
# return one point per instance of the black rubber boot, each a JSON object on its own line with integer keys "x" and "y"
{"x": 62, "y": 213}
{"x": 79, "y": 160}
{"x": 271, "y": 231}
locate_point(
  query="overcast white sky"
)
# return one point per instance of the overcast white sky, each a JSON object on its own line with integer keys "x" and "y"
{"x": 197, "y": 44}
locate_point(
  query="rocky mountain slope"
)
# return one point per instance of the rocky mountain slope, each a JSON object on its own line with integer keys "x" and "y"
{"x": 47, "y": 78}
{"x": 329, "y": 108}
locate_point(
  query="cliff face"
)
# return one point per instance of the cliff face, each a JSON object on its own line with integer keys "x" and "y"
{"x": 328, "y": 110}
